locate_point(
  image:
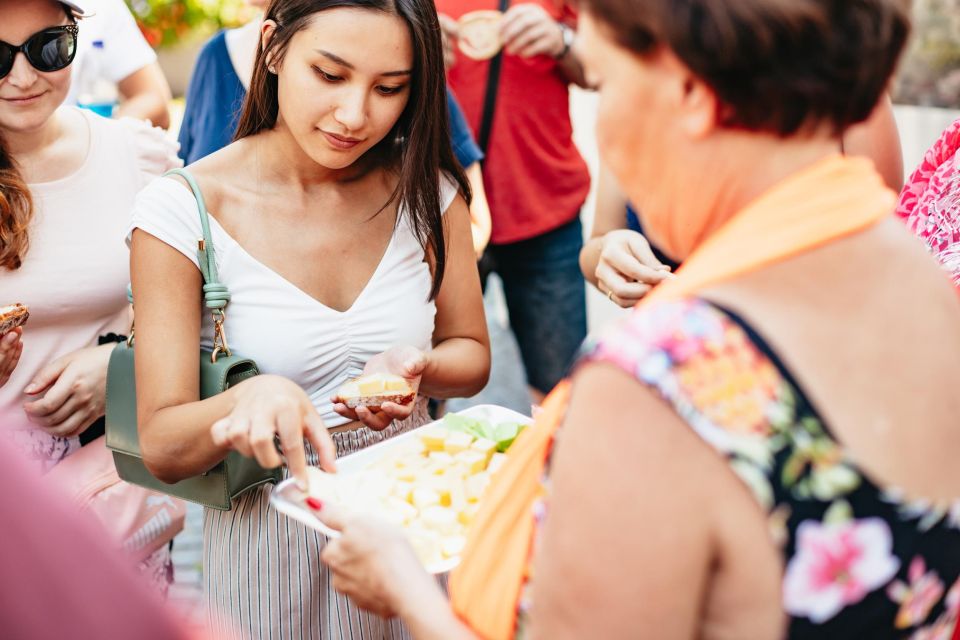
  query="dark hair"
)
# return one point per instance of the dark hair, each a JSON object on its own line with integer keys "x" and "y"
{"x": 417, "y": 147}
{"x": 775, "y": 65}
{"x": 16, "y": 205}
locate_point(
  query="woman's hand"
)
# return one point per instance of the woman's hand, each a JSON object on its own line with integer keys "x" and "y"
{"x": 269, "y": 407}
{"x": 10, "y": 349}
{"x": 408, "y": 362}
{"x": 527, "y": 30}
{"x": 372, "y": 562}
{"x": 73, "y": 392}
{"x": 627, "y": 269}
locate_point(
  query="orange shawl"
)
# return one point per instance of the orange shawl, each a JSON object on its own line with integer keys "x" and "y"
{"x": 834, "y": 198}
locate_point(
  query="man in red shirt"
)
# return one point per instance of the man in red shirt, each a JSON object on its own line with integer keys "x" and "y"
{"x": 535, "y": 179}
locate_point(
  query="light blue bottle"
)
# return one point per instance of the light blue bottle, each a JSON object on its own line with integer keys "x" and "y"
{"x": 96, "y": 92}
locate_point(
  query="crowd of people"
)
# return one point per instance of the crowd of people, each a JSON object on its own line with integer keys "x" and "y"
{"x": 763, "y": 448}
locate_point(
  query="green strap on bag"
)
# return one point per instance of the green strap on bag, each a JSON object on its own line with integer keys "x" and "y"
{"x": 219, "y": 370}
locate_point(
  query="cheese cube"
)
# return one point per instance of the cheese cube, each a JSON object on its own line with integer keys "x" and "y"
{"x": 484, "y": 446}
{"x": 402, "y": 489}
{"x": 433, "y": 438}
{"x": 496, "y": 462}
{"x": 440, "y": 459}
{"x": 439, "y": 519}
{"x": 466, "y": 515}
{"x": 457, "y": 496}
{"x": 423, "y": 498}
{"x": 452, "y": 546}
{"x": 376, "y": 384}
{"x": 475, "y": 486}
{"x": 457, "y": 442}
{"x": 475, "y": 461}
{"x": 398, "y": 509}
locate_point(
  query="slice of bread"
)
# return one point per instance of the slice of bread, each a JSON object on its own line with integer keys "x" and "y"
{"x": 374, "y": 389}
{"x": 13, "y": 316}
{"x": 480, "y": 34}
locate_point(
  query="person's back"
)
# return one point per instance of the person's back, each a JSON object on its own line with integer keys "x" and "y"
{"x": 882, "y": 379}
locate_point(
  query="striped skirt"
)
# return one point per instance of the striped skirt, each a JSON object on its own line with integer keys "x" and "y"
{"x": 262, "y": 572}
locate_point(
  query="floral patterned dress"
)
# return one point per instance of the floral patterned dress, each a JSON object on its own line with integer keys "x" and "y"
{"x": 860, "y": 561}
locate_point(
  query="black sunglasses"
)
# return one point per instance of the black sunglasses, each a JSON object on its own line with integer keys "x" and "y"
{"x": 48, "y": 50}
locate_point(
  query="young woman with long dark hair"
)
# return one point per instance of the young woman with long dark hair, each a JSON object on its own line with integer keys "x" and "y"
{"x": 342, "y": 233}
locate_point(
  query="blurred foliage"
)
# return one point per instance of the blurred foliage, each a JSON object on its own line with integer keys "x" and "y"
{"x": 929, "y": 74}
{"x": 167, "y": 22}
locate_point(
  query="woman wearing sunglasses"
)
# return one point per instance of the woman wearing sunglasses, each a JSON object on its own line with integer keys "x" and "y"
{"x": 68, "y": 180}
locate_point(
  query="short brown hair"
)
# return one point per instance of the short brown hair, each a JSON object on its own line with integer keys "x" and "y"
{"x": 775, "y": 65}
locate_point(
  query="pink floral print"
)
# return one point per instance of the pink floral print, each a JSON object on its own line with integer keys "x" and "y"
{"x": 836, "y": 565}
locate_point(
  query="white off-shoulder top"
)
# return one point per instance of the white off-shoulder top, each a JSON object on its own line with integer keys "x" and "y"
{"x": 285, "y": 330}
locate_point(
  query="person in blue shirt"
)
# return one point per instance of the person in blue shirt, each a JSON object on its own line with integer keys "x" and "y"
{"x": 218, "y": 88}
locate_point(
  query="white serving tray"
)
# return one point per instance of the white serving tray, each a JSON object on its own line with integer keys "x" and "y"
{"x": 289, "y": 500}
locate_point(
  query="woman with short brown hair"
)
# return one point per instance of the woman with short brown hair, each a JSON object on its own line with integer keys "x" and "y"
{"x": 767, "y": 446}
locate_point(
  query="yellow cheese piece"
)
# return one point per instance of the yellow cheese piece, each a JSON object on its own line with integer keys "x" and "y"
{"x": 496, "y": 461}
{"x": 484, "y": 446}
{"x": 474, "y": 461}
{"x": 440, "y": 519}
{"x": 434, "y": 439}
{"x": 400, "y": 509}
{"x": 475, "y": 486}
{"x": 457, "y": 442}
{"x": 465, "y": 516}
{"x": 423, "y": 498}
{"x": 440, "y": 458}
{"x": 376, "y": 384}
{"x": 394, "y": 383}
{"x": 453, "y": 545}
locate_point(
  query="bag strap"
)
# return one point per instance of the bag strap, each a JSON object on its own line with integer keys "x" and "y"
{"x": 490, "y": 98}
{"x": 215, "y": 293}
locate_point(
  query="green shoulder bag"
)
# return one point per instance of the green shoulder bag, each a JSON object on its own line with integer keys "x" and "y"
{"x": 219, "y": 370}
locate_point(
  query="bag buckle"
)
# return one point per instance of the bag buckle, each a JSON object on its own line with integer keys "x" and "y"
{"x": 219, "y": 337}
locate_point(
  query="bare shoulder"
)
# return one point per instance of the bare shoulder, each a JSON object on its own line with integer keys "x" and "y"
{"x": 220, "y": 174}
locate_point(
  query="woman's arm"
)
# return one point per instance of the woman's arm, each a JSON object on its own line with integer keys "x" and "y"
{"x": 181, "y": 435}
{"x": 626, "y": 548}
{"x": 146, "y": 95}
{"x": 481, "y": 224}
{"x": 610, "y": 214}
{"x": 459, "y": 364}
{"x": 174, "y": 425}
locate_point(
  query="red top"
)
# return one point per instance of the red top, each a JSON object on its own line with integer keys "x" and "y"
{"x": 534, "y": 176}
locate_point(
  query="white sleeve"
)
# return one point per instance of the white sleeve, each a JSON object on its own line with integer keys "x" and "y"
{"x": 126, "y": 49}
{"x": 154, "y": 151}
{"x": 167, "y": 210}
{"x": 449, "y": 189}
